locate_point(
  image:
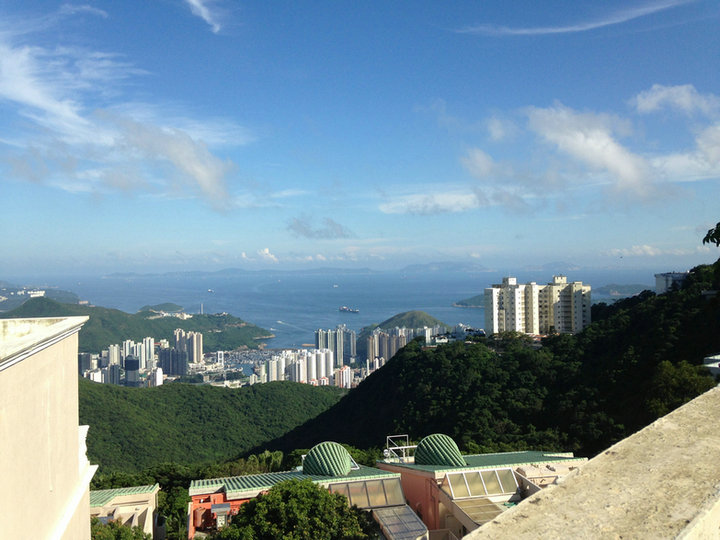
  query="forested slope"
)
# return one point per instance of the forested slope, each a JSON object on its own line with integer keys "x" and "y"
{"x": 579, "y": 393}
{"x": 135, "y": 428}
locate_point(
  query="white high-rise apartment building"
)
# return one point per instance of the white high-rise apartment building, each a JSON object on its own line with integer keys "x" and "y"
{"x": 148, "y": 359}
{"x": 530, "y": 308}
{"x": 114, "y": 354}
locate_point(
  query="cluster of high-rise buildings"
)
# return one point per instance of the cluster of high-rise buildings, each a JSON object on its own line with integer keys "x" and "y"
{"x": 385, "y": 343}
{"x": 124, "y": 363}
{"x": 317, "y": 367}
{"x": 341, "y": 341}
{"x": 560, "y": 306}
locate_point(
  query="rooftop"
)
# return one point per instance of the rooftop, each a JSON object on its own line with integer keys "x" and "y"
{"x": 238, "y": 487}
{"x": 493, "y": 461}
{"x": 101, "y": 497}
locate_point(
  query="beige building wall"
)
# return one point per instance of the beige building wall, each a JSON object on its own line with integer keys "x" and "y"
{"x": 44, "y": 470}
{"x": 535, "y": 309}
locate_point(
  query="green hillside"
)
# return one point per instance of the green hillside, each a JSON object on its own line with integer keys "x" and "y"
{"x": 107, "y": 326}
{"x": 579, "y": 393}
{"x": 136, "y": 428}
{"x": 408, "y": 319}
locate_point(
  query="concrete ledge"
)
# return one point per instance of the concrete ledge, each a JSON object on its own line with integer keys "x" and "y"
{"x": 21, "y": 338}
{"x": 661, "y": 482}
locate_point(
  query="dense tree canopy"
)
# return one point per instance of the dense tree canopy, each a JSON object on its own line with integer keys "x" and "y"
{"x": 297, "y": 510}
{"x": 135, "y": 428}
{"x": 115, "y": 531}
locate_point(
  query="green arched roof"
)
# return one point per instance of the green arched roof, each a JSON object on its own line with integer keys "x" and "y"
{"x": 438, "y": 449}
{"x": 327, "y": 459}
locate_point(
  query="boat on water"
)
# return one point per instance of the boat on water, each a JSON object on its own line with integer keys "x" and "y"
{"x": 346, "y": 309}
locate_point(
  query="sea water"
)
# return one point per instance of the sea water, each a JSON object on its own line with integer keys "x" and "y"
{"x": 292, "y": 305}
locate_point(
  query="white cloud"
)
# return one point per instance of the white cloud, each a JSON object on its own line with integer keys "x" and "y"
{"x": 637, "y": 251}
{"x": 266, "y": 255}
{"x": 682, "y": 97}
{"x": 202, "y": 9}
{"x": 700, "y": 163}
{"x": 589, "y": 139}
{"x": 617, "y": 17}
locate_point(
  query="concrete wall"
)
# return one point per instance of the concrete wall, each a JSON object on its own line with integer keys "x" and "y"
{"x": 661, "y": 482}
{"x": 45, "y": 474}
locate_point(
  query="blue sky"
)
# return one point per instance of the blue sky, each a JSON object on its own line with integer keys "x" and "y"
{"x": 160, "y": 135}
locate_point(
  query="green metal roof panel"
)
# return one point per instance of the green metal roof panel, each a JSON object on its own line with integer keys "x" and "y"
{"x": 438, "y": 449}
{"x": 493, "y": 461}
{"x": 327, "y": 459}
{"x": 101, "y": 497}
{"x": 238, "y": 487}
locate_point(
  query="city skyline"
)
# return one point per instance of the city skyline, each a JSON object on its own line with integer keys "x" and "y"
{"x": 197, "y": 134}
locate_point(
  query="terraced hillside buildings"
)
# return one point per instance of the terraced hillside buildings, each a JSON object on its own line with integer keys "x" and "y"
{"x": 530, "y": 308}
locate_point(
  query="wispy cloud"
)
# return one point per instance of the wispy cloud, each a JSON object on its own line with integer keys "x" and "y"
{"x": 303, "y": 226}
{"x": 188, "y": 157}
{"x": 288, "y": 193}
{"x": 78, "y": 136}
{"x": 429, "y": 203}
{"x": 74, "y": 9}
{"x": 684, "y": 98}
{"x": 202, "y": 9}
{"x": 617, "y": 17}
{"x": 646, "y": 250}
{"x": 500, "y": 128}
{"x": 479, "y": 163}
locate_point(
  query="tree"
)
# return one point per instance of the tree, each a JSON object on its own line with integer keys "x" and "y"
{"x": 115, "y": 531}
{"x": 297, "y": 510}
{"x": 713, "y": 236}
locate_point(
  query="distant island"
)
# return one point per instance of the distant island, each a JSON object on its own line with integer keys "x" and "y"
{"x": 167, "y": 307}
{"x": 472, "y": 302}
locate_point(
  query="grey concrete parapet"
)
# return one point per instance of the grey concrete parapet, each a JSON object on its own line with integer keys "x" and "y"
{"x": 661, "y": 482}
